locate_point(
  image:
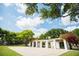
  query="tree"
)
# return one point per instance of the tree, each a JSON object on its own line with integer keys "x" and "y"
{"x": 25, "y": 36}
{"x": 10, "y": 38}
{"x": 7, "y": 37}
{"x": 55, "y": 33}
{"x": 53, "y": 10}
{"x": 43, "y": 36}
{"x": 76, "y": 32}
{"x": 3, "y": 34}
{"x": 0, "y": 35}
{"x": 70, "y": 37}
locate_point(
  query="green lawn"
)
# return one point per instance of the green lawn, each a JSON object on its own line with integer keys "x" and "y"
{"x": 5, "y": 51}
{"x": 71, "y": 53}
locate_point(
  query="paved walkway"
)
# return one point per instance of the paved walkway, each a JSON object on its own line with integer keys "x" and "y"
{"x": 29, "y": 51}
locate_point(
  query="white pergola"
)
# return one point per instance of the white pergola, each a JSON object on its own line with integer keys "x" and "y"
{"x": 51, "y": 43}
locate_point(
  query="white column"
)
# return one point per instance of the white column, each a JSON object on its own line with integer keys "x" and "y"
{"x": 65, "y": 44}
{"x": 33, "y": 44}
{"x": 36, "y": 44}
{"x": 46, "y": 44}
{"x": 68, "y": 45}
{"x": 40, "y": 44}
{"x": 57, "y": 45}
{"x": 51, "y": 43}
{"x": 54, "y": 44}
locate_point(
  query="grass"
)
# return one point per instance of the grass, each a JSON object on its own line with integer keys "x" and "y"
{"x": 5, "y": 51}
{"x": 71, "y": 53}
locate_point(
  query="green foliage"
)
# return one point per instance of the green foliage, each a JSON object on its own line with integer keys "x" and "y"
{"x": 71, "y": 53}
{"x": 53, "y": 10}
{"x": 76, "y": 31}
{"x": 31, "y": 8}
{"x": 42, "y": 36}
{"x": 15, "y": 38}
{"x": 7, "y": 36}
{"x": 25, "y": 36}
{"x": 53, "y": 33}
{"x": 44, "y": 13}
{"x": 67, "y": 7}
{"x": 10, "y": 37}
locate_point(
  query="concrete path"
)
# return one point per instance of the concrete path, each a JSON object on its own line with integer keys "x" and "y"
{"x": 30, "y": 51}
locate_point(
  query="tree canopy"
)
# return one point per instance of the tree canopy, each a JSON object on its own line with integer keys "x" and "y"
{"x": 7, "y": 36}
{"x": 76, "y": 31}
{"x": 15, "y": 38}
{"x": 43, "y": 36}
{"x": 25, "y": 36}
{"x": 53, "y": 10}
{"x": 71, "y": 38}
{"x": 53, "y": 33}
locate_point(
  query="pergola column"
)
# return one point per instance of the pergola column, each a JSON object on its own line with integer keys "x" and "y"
{"x": 36, "y": 44}
{"x": 57, "y": 45}
{"x": 54, "y": 43}
{"x": 65, "y": 44}
{"x": 46, "y": 44}
{"x": 40, "y": 44}
{"x": 51, "y": 43}
{"x": 33, "y": 44}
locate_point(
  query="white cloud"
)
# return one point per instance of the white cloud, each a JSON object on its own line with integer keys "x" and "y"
{"x": 7, "y": 4}
{"x": 65, "y": 20}
{"x": 71, "y": 28}
{"x": 29, "y": 22}
{"x": 1, "y": 18}
{"x": 21, "y": 8}
{"x": 32, "y": 24}
{"x": 71, "y": 24}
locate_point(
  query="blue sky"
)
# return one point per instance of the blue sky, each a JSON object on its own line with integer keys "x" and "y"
{"x": 13, "y": 18}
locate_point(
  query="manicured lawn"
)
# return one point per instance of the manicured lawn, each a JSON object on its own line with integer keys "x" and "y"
{"x": 71, "y": 53}
{"x": 5, "y": 51}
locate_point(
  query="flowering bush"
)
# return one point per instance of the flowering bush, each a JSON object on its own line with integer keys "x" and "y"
{"x": 70, "y": 37}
